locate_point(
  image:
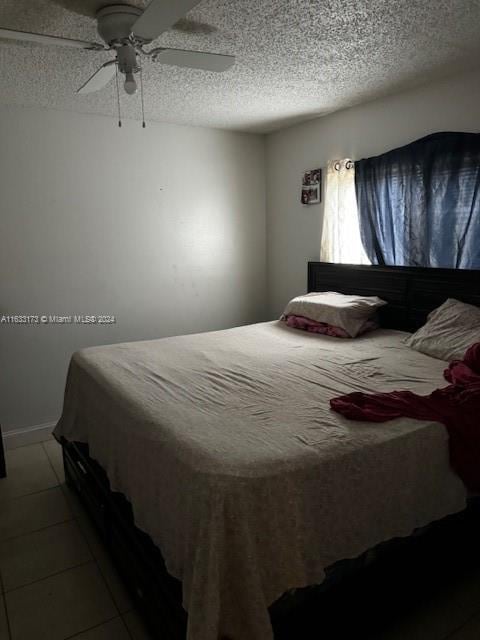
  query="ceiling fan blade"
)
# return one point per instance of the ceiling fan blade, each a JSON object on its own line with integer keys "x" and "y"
{"x": 194, "y": 59}
{"x": 43, "y": 39}
{"x": 100, "y": 78}
{"x": 159, "y": 16}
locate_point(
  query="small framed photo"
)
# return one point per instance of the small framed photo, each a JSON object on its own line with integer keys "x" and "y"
{"x": 312, "y": 187}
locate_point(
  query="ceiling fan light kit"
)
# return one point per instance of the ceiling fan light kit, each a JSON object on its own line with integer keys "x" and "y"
{"x": 126, "y": 30}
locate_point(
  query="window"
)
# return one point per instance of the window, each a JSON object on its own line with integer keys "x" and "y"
{"x": 341, "y": 240}
{"x": 419, "y": 205}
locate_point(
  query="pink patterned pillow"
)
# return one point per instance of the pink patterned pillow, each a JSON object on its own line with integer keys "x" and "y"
{"x": 305, "y": 324}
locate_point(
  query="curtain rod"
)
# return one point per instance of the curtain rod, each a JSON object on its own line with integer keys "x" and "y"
{"x": 349, "y": 164}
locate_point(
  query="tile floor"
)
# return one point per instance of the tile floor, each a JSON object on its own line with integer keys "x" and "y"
{"x": 57, "y": 580}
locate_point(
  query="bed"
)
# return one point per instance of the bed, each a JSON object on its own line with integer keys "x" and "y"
{"x": 218, "y": 474}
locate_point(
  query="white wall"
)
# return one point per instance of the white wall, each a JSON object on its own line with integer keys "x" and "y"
{"x": 163, "y": 227}
{"x": 294, "y": 230}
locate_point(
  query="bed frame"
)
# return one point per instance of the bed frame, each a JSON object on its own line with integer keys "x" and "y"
{"x": 411, "y": 293}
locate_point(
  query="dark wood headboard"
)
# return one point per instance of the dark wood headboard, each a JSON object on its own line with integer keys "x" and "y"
{"x": 411, "y": 292}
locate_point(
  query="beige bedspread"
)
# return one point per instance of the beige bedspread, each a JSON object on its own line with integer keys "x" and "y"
{"x": 225, "y": 444}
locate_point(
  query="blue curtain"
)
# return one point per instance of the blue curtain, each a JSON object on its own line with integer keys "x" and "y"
{"x": 419, "y": 205}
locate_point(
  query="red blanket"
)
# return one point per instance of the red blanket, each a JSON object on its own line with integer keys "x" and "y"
{"x": 456, "y": 406}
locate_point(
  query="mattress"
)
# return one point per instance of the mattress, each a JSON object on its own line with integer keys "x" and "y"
{"x": 236, "y": 467}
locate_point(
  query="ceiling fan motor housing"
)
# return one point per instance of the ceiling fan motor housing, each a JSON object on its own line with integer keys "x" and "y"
{"x": 115, "y": 22}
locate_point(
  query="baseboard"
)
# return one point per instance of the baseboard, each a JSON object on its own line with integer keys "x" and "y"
{"x": 28, "y": 435}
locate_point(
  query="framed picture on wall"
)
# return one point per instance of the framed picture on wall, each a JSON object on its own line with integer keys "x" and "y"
{"x": 312, "y": 187}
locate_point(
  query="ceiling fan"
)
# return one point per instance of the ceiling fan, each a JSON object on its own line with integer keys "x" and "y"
{"x": 126, "y": 30}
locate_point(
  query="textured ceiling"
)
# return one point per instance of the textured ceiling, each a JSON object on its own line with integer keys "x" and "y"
{"x": 296, "y": 59}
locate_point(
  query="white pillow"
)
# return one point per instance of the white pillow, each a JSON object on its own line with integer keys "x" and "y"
{"x": 347, "y": 312}
{"x": 448, "y": 332}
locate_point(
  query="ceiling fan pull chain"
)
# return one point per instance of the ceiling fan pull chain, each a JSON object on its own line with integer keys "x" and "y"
{"x": 118, "y": 96}
{"x": 143, "y": 102}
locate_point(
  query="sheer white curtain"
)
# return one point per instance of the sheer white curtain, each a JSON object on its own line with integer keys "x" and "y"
{"x": 341, "y": 231}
